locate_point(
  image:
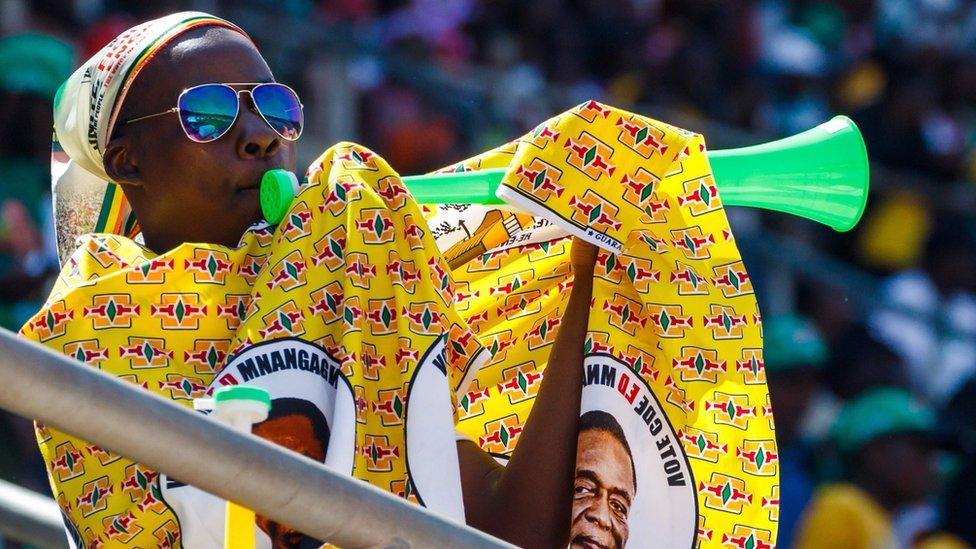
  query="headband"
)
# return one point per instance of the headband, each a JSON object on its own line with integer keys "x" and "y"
{"x": 86, "y": 109}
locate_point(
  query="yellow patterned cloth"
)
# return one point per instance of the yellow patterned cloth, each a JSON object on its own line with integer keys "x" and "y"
{"x": 350, "y": 287}
{"x": 673, "y": 317}
{"x": 355, "y": 287}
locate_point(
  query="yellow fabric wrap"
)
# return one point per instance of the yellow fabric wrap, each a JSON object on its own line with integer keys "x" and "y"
{"x": 674, "y": 345}
{"x": 352, "y": 269}
{"x": 675, "y": 305}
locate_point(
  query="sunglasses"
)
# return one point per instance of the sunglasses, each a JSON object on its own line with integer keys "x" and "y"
{"x": 208, "y": 111}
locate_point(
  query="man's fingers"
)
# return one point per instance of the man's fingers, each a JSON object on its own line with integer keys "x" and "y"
{"x": 583, "y": 253}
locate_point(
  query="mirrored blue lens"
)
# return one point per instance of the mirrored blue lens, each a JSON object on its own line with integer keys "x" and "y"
{"x": 208, "y": 111}
{"x": 281, "y": 109}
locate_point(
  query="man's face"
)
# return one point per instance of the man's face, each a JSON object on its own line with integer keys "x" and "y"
{"x": 199, "y": 192}
{"x": 791, "y": 392}
{"x": 603, "y": 491}
{"x": 887, "y": 459}
{"x": 294, "y": 432}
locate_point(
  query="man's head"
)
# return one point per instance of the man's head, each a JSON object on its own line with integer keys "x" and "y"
{"x": 898, "y": 469}
{"x": 886, "y": 438}
{"x": 34, "y": 64}
{"x": 300, "y": 426}
{"x": 794, "y": 352}
{"x": 860, "y": 363}
{"x": 183, "y": 191}
{"x": 605, "y": 483}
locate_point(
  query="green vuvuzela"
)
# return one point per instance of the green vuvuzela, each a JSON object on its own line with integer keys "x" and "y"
{"x": 821, "y": 174}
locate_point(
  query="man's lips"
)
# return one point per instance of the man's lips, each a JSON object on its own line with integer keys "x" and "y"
{"x": 253, "y": 182}
{"x": 249, "y": 187}
{"x": 582, "y": 540}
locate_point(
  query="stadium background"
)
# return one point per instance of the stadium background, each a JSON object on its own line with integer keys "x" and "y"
{"x": 425, "y": 83}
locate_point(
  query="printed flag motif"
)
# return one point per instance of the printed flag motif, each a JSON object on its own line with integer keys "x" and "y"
{"x": 348, "y": 271}
{"x": 356, "y": 269}
{"x": 673, "y": 303}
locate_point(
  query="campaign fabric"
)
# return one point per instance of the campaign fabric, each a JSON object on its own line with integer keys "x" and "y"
{"x": 86, "y": 109}
{"x": 352, "y": 281}
{"x": 344, "y": 312}
{"x": 674, "y": 344}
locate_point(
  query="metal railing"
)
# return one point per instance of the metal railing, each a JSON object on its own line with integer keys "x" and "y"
{"x": 279, "y": 484}
{"x": 29, "y": 517}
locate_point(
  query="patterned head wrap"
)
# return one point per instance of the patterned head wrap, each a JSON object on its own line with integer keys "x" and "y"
{"x": 85, "y": 111}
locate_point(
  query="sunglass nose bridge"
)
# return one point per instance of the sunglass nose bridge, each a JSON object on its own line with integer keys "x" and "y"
{"x": 248, "y": 101}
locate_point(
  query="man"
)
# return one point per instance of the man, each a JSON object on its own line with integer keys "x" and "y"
{"x": 38, "y": 64}
{"x": 300, "y": 426}
{"x": 795, "y": 354}
{"x": 605, "y": 484}
{"x": 191, "y": 179}
{"x": 885, "y": 438}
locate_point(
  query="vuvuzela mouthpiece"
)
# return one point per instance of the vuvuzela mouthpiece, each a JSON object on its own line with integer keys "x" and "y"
{"x": 278, "y": 189}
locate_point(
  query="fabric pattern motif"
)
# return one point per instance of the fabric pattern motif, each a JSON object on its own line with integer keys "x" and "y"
{"x": 355, "y": 270}
{"x": 674, "y": 302}
{"x": 351, "y": 268}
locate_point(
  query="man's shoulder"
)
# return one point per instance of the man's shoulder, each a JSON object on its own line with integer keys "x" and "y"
{"x": 96, "y": 257}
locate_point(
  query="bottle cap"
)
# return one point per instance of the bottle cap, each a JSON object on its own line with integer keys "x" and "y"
{"x": 278, "y": 189}
{"x": 243, "y": 392}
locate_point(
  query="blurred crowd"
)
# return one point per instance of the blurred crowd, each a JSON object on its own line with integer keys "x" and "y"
{"x": 874, "y": 388}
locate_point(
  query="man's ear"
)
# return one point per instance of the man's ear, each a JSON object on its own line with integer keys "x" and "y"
{"x": 121, "y": 164}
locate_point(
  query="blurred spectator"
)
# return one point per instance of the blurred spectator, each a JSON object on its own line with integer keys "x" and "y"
{"x": 929, "y": 314}
{"x": 793, "y": 354}
{"x": 885, "y": 438}
{"x": 893, "y": 233}
{"x": 34, "y": 67}
{"x": 859, "y": 363}
{"x": 957, "y": 422}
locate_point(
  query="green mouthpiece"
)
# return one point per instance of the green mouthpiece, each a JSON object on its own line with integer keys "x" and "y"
{"x": 278, "y": 189}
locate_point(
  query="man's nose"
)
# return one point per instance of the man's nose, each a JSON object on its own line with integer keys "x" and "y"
{"x": 255, "y": 138}
{"x": 599, "y": 513}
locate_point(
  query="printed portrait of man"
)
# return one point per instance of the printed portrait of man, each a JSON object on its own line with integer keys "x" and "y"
{"x": 604, "y": 486}
{"x": 300, "y": 426}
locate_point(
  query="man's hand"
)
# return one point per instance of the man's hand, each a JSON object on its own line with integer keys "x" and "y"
{"x": 529, "y": 501}
{"x": 582, "y": 254}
